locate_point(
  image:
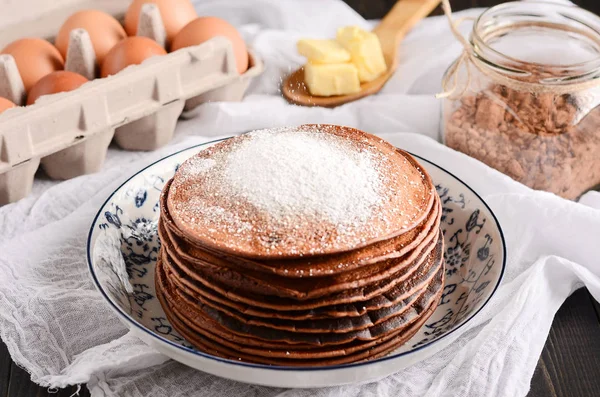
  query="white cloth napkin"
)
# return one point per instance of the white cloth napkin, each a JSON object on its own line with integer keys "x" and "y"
{"x": 59, "y": 329}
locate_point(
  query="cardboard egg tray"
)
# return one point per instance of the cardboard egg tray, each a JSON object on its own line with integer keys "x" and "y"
{"x": 69, "y": 133}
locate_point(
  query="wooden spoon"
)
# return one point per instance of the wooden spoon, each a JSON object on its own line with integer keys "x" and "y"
{"x": 401, "y": 18}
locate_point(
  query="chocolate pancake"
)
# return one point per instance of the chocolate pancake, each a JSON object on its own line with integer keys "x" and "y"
{"x": 387, "y": 300}
{"x": 307, "y": 267}
{"x": 322, "y": 325}
{"x": 320, "y": 356}
{"x": 299, "y": 289}
{"x": 230, "y": 346}
{"x": 382, "y": 291}
{"x": 215, "y": 319}
{"x": 213, "y": 323}
{"x": 297, "y": 349}
{"x": 220, "y": 350}
{"x": 315, "y": 245}
{"x": 338, "y": 190}
{"x": 341, "y": 324}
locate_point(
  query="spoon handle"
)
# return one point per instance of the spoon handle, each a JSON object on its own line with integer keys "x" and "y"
{"x": 401, "y": 18}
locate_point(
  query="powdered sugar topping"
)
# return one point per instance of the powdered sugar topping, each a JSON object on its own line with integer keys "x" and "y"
{"x": 318, "y": 176}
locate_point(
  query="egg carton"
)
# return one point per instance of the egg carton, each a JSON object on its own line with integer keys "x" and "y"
{"x": 68, "y": 134}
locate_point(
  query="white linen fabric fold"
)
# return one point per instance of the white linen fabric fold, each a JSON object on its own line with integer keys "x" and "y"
{"x": 58, "y": 328}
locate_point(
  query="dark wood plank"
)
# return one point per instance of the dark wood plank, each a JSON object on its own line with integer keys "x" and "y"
{"x": 5, "y": 364}
{"x": 570, "y": 363}
{"x": 21, "y": 386}
{"x": 596, "y": 306}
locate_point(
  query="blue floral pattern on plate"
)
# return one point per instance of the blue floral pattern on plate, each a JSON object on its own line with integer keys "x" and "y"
{"x": 123, "y": 246}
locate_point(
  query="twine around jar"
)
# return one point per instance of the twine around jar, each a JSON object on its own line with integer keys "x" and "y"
{"x": 464, "y": 58}
{"x": 469, "y": 57}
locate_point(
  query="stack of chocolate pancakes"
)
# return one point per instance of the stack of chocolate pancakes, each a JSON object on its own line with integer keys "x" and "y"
{"x": 304, "y": 246}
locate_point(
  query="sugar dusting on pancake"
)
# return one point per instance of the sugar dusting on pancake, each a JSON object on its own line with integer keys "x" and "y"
{"x": 315, "y": 176}
{"x": 293, "y": 191}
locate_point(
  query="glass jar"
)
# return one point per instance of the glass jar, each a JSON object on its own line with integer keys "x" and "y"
{"x": 523, "y": 98}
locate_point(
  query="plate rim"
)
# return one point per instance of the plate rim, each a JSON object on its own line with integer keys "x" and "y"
{"x": 130, "y": 320}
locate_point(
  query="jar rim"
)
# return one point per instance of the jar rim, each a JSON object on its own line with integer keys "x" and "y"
{"x": 560, "y": 16}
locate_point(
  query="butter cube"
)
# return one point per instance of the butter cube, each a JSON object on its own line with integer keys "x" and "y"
{"x": 327, "y": 79}
{"x": 323, "y": 51}
{"x": 365, "y": 51}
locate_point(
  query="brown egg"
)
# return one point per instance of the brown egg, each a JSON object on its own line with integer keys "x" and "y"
{"x": 131, "y": 51}
{"x": 5, "y": 104}
{"x": 55, "y": 82}
{"x": 104, "y": 30}
{"x": 175, "y": 15}
{"x": 205, "y": 28}
{"x": 35, "y": 58}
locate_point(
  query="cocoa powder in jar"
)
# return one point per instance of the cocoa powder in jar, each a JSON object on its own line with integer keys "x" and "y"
{"x": 546, "y": 141}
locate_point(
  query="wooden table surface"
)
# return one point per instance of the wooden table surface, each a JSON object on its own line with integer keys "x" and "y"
{"x": 570, "y": 362}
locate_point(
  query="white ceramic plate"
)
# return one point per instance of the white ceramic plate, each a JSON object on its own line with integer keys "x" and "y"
{"x": 123, "y": 244}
